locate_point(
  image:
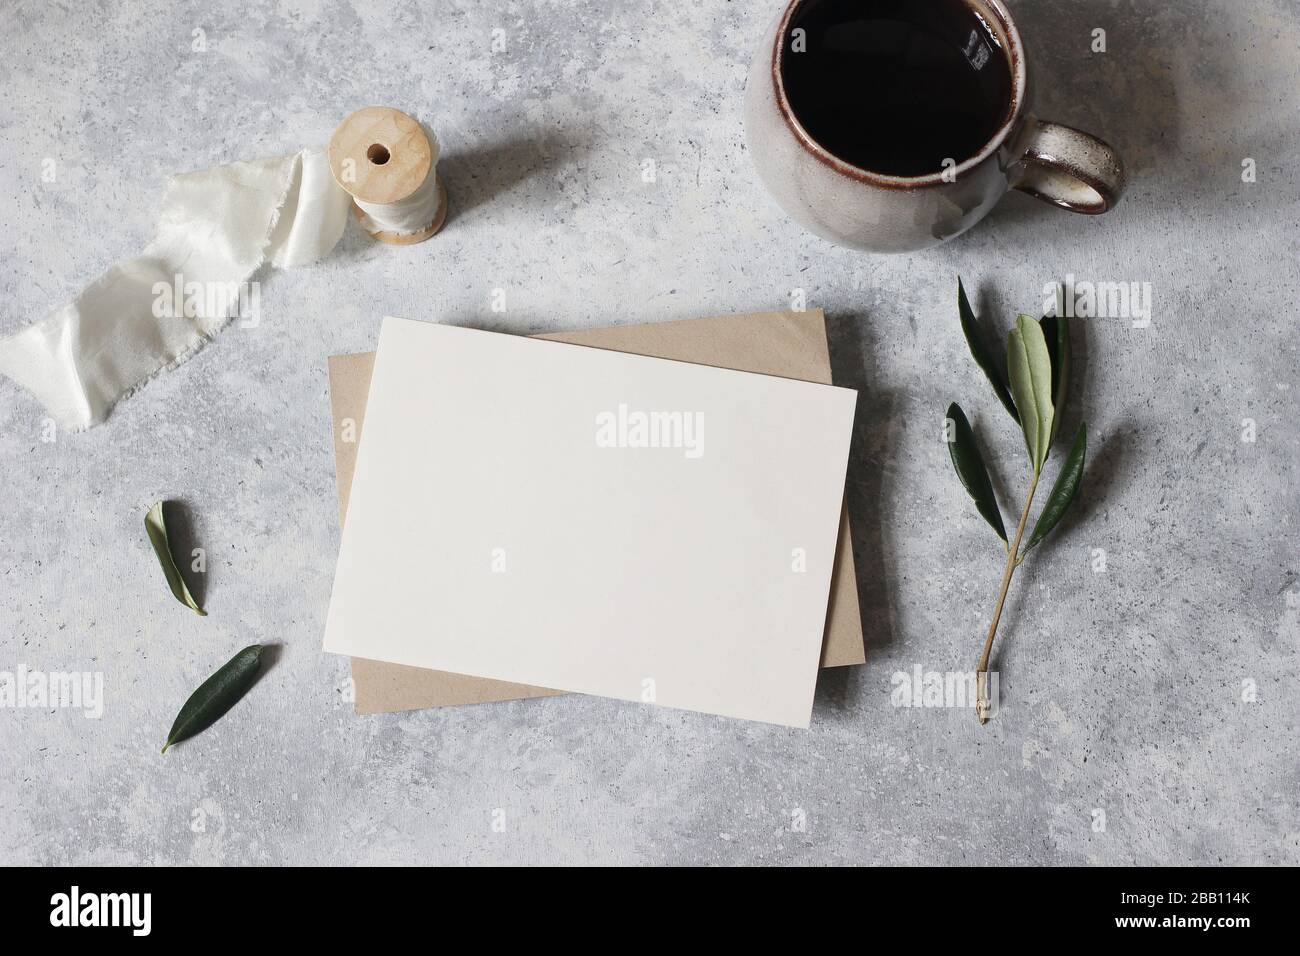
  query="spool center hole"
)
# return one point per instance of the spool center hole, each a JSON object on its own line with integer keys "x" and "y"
{"x": 378, "y": 154}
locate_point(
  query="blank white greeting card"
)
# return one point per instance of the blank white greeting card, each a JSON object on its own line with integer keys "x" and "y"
{"x": 593, "y": 521}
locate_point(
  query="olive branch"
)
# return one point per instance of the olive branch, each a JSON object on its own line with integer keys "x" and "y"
{"x": 1033, "y": 389}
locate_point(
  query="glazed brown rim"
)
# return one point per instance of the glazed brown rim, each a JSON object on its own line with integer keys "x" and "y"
{"x": 1006, "y": 32}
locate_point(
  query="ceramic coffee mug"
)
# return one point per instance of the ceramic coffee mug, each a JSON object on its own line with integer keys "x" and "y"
{"x": 878, "y": 212}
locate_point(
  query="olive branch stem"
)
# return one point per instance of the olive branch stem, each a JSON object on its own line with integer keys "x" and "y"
{"x": 1013, "y": 562}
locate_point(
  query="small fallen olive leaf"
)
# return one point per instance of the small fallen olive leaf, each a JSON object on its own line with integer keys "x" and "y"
{"x": 1029, "y": 366}
{"x": 216, "y": 695}
{"x": 981, "y": 354}
{"x": 156, "y": 527}
{"x": 1063, "y": 492}
{"x": 969, "y": 465}
{"x": 1056, "y": 332}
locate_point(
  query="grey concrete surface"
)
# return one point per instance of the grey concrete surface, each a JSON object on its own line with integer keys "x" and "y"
{"x": 1149, "y": 710}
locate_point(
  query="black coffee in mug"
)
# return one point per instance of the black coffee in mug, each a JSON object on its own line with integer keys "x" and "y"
{"x": 896, "y": 86}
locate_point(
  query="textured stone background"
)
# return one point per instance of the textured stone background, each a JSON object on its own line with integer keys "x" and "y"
{"x": 1122, "y": 691}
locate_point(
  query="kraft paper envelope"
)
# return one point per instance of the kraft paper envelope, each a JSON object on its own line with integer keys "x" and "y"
{"x": 593, "y": 521}
{"x": 790, "y": 344}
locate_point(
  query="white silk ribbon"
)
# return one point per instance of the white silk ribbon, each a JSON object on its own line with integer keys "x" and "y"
{"x": 215, "y": 230}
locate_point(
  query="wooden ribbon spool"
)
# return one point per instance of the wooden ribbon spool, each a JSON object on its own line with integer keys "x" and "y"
{"x": 380, "y": 156}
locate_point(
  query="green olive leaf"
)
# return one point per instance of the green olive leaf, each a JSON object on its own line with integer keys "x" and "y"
{"x": 1063, "y": 492}
{"x": 216, "y": 695}
{"x": 969, "y": 465}
{"x": 983, "y": 358}
{"x": 156, "y": 528}
{"x": 1056, "y": 331}
{"x": 1029, "y": 367}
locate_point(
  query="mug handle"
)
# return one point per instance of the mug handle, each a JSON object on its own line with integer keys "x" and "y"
{"x": 1068, "y": 168}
